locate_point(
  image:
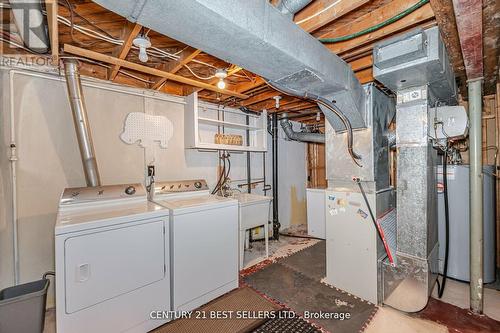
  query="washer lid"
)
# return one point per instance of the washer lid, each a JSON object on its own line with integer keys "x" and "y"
{"x": 187, "y": 204}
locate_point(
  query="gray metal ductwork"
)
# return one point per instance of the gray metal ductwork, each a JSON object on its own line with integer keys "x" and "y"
{"x": 291, "y": 7}
{"x": 81, "y": 122}
{"x": 258, "y": 37}
{"x": 300, "y": 136}
{"x": 417, "y": 68}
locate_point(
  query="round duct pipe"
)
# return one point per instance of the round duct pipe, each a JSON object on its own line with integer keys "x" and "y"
{"x": 291, "y": 7}
{"x": 80, "y": 119}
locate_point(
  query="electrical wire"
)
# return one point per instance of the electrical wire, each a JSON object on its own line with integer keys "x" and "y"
{"x": 442, "y": 285}
{"x": 105, "y": 36}
{"x": 375, "y": 27}
{"x": 134, "y": 76}
{"x": 197, "y": 76}
{"x": 379, "y": 229}
{"x": 319, "y": 12}
{"x": 16, "y": 45}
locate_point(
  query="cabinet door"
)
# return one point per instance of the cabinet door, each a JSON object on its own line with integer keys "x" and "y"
{"x": 103, "y": 265}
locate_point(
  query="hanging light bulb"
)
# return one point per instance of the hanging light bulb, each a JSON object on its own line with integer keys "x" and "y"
{"x": 142, "y": 42}
{"x": 221, "y": 84}
{"x": 318, "y": 116}
{"x": 221, "y": 74}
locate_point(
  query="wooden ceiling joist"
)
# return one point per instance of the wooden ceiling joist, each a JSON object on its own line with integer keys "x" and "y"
{"x": 129, "y": 32}
{"x": 233, "y": 70}
{"x": 469, "y": 17}
{"x": 445, "y": 17}
{"x": 51, "y": 6}
{"x": 173, "y": 67}
{"x": 379, "y": 15}
{"x": 147, "y": 70}
{"x": 321, "y": 12}
{"x": 259, "y": 98}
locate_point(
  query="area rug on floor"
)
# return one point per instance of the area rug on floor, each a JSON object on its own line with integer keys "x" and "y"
{"x": 243, "y": 299}
{"x": 295, "y": 283}
{"x": 286, "y": 325}
{"x": 310, "y": 261}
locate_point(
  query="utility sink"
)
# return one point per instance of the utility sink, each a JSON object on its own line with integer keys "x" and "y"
{"x": 253, "y": 212}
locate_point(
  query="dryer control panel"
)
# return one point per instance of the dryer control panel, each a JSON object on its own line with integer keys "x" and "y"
{"x": 80, "y": 195}
{"x": 177, "y": 186}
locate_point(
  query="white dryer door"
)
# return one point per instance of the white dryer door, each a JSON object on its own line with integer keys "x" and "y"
{"x": 106, "y": 264}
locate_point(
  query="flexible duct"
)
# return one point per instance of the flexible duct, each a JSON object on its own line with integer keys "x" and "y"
{"x": 300, "y": 136}
{"x": 291, "y": 7}
{"x": 81, "y": 122}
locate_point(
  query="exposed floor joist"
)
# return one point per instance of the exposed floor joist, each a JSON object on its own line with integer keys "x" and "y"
{"x": 174, "y": 66}
{"x": 322, "y": 12}
{"x": 379, "y": 15}
{"x": 147, "y": 70}
{"x": 130, "y": 31}
{"x": 445, "y": 17}
{"x": 469, "y": 17}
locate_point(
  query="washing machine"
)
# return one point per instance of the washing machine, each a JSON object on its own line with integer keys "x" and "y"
{"x": 112, "y": 260}
{"x": 203, "y": 242}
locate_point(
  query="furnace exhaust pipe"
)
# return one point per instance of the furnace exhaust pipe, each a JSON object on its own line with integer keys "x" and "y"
{"x": 81, "y": 122}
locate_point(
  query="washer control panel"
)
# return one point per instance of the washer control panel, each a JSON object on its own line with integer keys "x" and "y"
{"x": 76, "y": 195}
{"x": 177, "y": 186}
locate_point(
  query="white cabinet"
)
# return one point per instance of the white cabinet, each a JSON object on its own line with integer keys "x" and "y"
{"x": 316, "y": 211}
{"x": 202, "y": 121}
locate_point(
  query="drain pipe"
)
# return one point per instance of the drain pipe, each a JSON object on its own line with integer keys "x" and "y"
{"x": 81, "y": 122}
{"x": 476, "y": 196}
{"x": 300, "y": 136}
{"x": 276, "y": 223}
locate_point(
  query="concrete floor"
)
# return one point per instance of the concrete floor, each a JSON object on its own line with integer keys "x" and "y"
{"x": 386, "y": 320}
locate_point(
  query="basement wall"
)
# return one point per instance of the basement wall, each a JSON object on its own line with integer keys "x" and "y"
{"x": 49, "y": 160}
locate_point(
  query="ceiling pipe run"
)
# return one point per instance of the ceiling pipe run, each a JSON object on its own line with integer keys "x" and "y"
{"x": 81, "y": 122}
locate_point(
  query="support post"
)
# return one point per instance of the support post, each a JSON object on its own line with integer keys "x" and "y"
{"x": 476, "y": 196}
{"x": 276, "y": 223}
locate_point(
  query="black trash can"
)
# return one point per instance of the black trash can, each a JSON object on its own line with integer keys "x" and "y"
{"x": 22, "y": 307}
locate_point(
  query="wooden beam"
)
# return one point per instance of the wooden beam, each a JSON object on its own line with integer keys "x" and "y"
{"x": 51, "y": 7}
{"x": 246, "y": 86}
{"x": 361, "y": 63}
{"x": 329, "y": 10}
{"x": 379, "y": 15}
{"x": 259, "y": 98}
{"x": 445, "y": 17}
{"x": 129, "y": 32}
{"x": 491, "y": 47}
{"x": 174, "y": 66}
{"x": 235, "y": 69}
{"x": 145, "y": 69}
{"x": 365, "y": 75}
{"x": 469, "y": 17}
